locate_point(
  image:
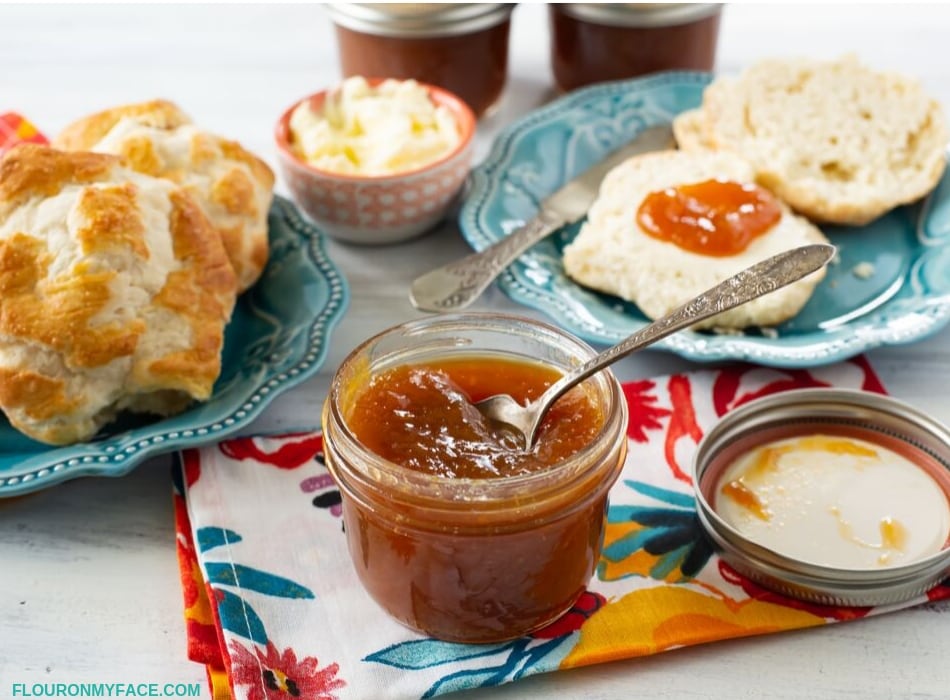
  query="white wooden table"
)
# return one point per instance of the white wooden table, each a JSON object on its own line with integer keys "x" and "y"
{"x": 88, "y": 577}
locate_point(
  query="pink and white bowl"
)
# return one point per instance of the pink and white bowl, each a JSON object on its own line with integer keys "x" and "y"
{"x": 378, "y": 209}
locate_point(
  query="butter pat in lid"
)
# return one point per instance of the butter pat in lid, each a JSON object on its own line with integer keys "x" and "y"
{"x": 833, "y": 496}
{"x": 374, "y": 130}
{"x": 836, "y": 501}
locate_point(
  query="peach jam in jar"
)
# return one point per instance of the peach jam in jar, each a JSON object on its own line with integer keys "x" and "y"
{"x": 461, "y": 47}
{"x": 592, "y": 42}
{"x": 453, "y": 528}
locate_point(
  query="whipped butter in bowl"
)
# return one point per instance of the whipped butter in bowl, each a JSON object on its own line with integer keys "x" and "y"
{"x": 376, "y": 161}
{"x": 836, "y": 497}
{"x": 384, "y": 129}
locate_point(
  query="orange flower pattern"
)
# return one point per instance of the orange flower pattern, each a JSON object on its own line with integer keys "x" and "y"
{"x": 659, "y": 584}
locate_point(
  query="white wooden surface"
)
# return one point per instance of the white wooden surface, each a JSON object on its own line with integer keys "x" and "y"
{"x": 88, "y": 577}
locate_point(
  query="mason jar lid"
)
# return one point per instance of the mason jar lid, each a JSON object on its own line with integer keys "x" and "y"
{"x": 873, "y": 418}
{"x": 418, "y": 19}
{"x": 640, "y": 14}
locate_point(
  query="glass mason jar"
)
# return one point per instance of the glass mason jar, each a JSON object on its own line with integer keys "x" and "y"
{"x": 597, "y": 42}
{"x": 462, "y": 47}
{"x": 473, "y": 560}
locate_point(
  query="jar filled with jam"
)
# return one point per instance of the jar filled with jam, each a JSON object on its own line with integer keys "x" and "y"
{"x": 597, "y": 42}
{"x": 462, "y": 47}
{"x": 453, "y": 526}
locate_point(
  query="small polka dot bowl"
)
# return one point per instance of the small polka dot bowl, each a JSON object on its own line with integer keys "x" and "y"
{"x": 378, "y": 209}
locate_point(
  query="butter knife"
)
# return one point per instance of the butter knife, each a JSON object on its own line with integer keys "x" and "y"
{"x": 459, "y": 283}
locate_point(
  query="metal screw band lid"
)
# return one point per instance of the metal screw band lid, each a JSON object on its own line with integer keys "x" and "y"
{"x": 418, "y": 20}
{"x": 634, "y": 14}
{"x": 809, "y": 410}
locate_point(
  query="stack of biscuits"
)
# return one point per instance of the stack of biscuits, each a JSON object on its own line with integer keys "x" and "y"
{"x": 122, "y": 251}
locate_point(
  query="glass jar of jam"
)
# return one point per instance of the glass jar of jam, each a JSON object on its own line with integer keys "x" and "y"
{"x": 462, "y": 47}
{"x": 596, "y": 42}
{"x": 454, "y": 533}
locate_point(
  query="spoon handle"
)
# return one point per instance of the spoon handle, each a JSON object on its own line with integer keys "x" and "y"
{"x": 751, "y": 283}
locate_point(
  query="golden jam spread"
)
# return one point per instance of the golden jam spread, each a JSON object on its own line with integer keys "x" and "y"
{"x": 421, "y": 417}
{"x": 836, "y": 501}
{"x": 453, "y": 528}
{"x": 714, "y": 217}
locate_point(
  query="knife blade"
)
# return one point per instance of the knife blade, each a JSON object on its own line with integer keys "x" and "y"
{"x": 459, "y": 283}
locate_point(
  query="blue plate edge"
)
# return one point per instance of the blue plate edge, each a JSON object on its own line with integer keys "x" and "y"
{"x": 55, "y": 472}
{"x": 691, "y": 346}
{"x": 743, "y": 349}
{"x": 479, "y": 178}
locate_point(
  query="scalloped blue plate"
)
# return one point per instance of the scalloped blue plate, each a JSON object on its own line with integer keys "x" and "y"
{"x": 277, "y": 338}
{"x": 905, "y": 299}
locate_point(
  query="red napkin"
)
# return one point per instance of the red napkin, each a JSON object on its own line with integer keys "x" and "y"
{"x": 15, "y": 129}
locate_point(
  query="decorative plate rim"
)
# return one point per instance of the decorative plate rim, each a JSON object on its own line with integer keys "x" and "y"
{"x": 810, "y": 349}
{"x": 117, "y": 455}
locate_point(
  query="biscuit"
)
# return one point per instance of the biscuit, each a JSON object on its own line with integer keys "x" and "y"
{"x": 612, "y": 254}
{"x": 689, "y": 130}
{"x": 233, "y": 186}
{"x": 114, "y": 294}
{"x": 839, "y": 142}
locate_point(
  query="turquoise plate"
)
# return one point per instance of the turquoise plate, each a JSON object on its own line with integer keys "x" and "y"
{"x": 277, "y": 338}
{"x": 906, "y": 298}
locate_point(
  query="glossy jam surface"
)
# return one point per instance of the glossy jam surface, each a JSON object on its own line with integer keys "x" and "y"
{"x": 714, "y": 217}
{"x": 482, "y": 559}
{"x": 836, "y": 501}
{"x": 421, "y": 417}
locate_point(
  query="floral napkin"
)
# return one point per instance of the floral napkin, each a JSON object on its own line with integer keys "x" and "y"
{"x": 275, "y": 611}
{"x": 15, "y": 129}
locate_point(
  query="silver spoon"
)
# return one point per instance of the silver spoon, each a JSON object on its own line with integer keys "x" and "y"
{"x": 751, "y": 283}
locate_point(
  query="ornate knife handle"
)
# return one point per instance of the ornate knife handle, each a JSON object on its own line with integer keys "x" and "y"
{"x": 459, "y": 283}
